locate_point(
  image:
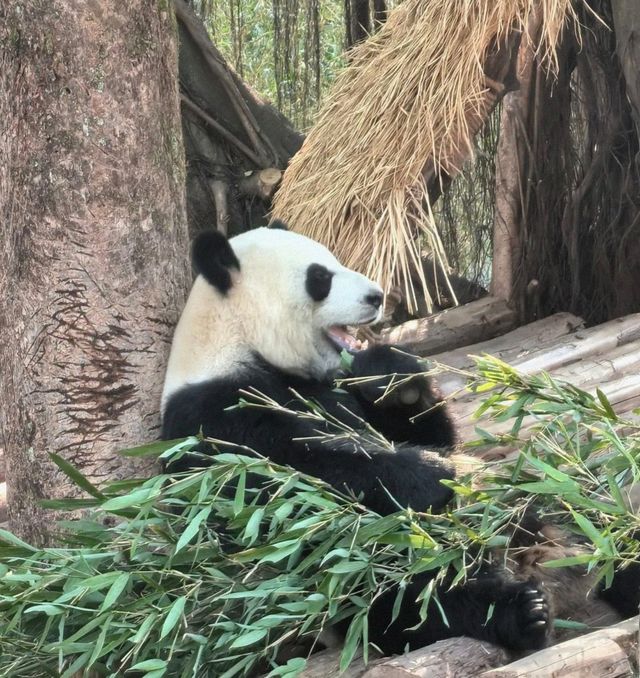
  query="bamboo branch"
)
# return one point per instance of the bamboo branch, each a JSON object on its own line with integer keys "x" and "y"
{"x": 222, "y": 131}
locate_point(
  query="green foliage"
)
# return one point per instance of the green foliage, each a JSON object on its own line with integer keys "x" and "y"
{"x": 205, "y": 574}
{"x": 289, "y": 52}
{"x": 197, "y": 574}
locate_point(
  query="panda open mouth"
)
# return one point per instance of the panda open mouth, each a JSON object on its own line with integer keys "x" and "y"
{"x": 342, "y": 340}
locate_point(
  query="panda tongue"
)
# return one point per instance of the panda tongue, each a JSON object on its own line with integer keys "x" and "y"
{"x": 343, "y": 339}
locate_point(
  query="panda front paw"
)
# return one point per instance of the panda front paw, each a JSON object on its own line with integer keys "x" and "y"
{"x": 388, "y": 378}
{"x": 523, "y": 617}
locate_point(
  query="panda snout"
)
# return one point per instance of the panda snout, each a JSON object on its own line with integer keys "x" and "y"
{"x": 374, "y": 299}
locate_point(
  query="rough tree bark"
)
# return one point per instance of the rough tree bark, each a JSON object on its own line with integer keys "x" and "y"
{"x": 93, "y": 260}
{"x": 568, "y": 188}
{"x": 510, "y": 160}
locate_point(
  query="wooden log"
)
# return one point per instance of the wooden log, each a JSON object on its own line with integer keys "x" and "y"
{"x": 599, "y": 339}
{"x": 602, "y": 367}
{"x": 623, "y": 394}
{"x": 262, "y": 183}
{"x": 326, "y": 664}
{"x": 615, "y": 373}
{"x": 509, "y": 347}
{"x": 477, "y": 321}
{"x": 601, "y": 653}
{"x": 451, "y": 658}
{"x": 596, "y": 354}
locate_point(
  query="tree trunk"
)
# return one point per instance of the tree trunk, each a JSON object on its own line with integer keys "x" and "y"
{"x": 94, "y": 247}
{"x": 568, "y": 178}
{"x": 510, "y": 168}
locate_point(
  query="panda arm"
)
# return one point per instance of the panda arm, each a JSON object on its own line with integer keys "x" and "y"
{"x": 403, "y": 407}
{"x": 365, "y": 470}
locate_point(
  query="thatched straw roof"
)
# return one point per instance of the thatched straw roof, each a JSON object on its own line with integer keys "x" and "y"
{"x": 410, "y": 101}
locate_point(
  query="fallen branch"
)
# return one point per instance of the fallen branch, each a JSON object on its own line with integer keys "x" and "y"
{"x": 219, "y": 129}
{"x": 477, "y": 321}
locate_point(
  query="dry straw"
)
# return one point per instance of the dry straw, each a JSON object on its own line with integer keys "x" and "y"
{"x": 410, "y": 99}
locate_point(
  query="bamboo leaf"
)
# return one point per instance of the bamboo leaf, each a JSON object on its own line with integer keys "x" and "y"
{"x": 238, "y": 499}
{"x": 606, "y": 405}
{"x": 173, "y": 616}
{"x": 9, "y": 538}
{"x": 192, "y": 528}
{"x": 247, "y": 639}
{"x": 114, "y": 592}
{"x": 74, "y": 474}
{"x": 148, "y": 665}
{"x": 135, "y": 498}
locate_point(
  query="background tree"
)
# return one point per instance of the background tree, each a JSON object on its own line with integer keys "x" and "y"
{"x": 571, "y": 144}
{"x": 94, "y": 240}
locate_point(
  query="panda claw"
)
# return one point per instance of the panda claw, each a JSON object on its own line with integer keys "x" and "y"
{"x": 537, "y": 625}
{"x": 533, "y": 594}
{"x": 532, "y": 619}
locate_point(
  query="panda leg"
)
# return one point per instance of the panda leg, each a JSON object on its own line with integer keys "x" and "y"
{"x": 514, "y": 615}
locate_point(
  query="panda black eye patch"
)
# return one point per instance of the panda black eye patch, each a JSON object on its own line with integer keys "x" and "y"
{"x": 318, "y": 282}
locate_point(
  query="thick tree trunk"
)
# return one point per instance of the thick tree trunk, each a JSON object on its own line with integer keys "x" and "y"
{"x": 94, "y": 240}
{"x": 567, "y": 236}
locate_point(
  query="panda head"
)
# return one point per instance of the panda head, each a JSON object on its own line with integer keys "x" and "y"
{"x": 272, "y": 293}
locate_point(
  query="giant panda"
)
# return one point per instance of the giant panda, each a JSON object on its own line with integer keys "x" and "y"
{"x": 268, "y": 312}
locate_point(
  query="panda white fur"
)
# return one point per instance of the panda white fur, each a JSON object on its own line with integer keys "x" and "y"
{"x": 268, "y": 312}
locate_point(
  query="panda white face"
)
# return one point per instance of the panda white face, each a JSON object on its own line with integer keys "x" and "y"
{"x": 272, "y": 292}
{"x": 302, "y": 299}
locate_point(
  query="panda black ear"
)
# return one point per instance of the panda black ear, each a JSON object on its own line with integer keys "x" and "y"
{"x": 213, "y": 257}
{"x": 278, "y": 225}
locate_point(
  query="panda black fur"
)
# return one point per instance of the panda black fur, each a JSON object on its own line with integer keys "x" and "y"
{"x": 265, "y": 314}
